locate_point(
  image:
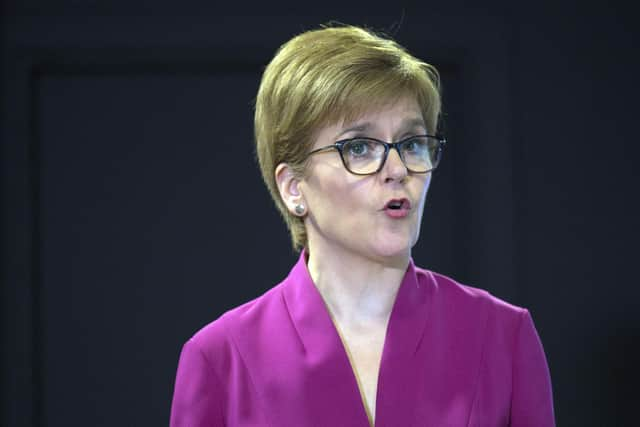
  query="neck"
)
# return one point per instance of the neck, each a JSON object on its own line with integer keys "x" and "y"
{"x": 357, "y": 290}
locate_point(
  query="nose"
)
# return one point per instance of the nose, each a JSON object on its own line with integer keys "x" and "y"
{"x": 394, "y": 168}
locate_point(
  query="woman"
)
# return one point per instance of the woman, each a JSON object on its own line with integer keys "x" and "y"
{"x": 357, "y": 335}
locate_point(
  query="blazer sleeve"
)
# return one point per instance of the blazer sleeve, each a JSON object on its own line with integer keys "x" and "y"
{"x": 197, "y": 394}
{"x": 531, "y": 399}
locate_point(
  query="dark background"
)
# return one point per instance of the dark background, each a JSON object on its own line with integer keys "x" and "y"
{"x": 133, "y": 212}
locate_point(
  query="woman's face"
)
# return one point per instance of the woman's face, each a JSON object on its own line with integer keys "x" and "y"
{"x": 351, "y": 212}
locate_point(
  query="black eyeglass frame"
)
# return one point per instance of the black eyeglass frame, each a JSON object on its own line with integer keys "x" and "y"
{"x": 338, "y": 145}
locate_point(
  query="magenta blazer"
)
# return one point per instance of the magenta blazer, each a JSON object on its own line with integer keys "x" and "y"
{"x": 453, "y": 356}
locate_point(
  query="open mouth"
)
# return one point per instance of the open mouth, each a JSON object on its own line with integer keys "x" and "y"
{"x": 397, "y": 204}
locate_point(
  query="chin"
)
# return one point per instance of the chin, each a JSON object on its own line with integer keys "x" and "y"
{"x": 393, "y": 248}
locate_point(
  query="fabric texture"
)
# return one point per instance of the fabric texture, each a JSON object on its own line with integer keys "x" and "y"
{"x": 454, "y": 355}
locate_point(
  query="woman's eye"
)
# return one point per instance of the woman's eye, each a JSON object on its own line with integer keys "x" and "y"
{"x": 414, "y": 146}
{"x": 358, "y": 148}
{"x": 410, "y": 146}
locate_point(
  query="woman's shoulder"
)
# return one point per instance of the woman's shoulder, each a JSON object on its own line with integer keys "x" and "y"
{"x": 468, "y": 313}
{"x": 464, "y": 297}
{"x": 222, "y": 332}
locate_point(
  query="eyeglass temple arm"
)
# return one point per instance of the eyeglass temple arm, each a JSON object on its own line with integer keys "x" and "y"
{"x": 327, "y": 148}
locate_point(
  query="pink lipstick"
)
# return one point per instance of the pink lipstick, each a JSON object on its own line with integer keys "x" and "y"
{"x": 397, "y": 208}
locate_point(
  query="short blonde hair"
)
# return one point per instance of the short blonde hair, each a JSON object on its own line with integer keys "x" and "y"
{"x": 321, "y": 77}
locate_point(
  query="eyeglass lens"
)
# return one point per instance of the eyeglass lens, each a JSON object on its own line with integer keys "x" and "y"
{"x": 364, "y": 156}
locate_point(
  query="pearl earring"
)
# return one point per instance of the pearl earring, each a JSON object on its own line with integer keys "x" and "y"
{"x": 299, "y": 209}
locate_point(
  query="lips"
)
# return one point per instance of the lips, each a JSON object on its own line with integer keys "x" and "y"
{"x": 398, "y": 204}
{"x": 397, "y": 209}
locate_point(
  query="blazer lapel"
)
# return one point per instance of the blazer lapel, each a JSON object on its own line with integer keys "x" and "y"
{"x": 332, "y": 395}
{"x": 398, "y": 391}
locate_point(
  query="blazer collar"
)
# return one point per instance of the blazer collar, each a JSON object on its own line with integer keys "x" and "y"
{"x": 311, "y": 316}
{"x": 322, "y": 344}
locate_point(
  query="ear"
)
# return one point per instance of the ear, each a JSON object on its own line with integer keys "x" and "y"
{"x": 289, "y": 188}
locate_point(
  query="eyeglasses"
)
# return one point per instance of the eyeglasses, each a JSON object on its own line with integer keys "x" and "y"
{"x": 366, "y": 156}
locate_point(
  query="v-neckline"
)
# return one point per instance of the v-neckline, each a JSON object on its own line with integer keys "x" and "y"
{"x": 357, "y": 375}
{"x": 405, "y": 327}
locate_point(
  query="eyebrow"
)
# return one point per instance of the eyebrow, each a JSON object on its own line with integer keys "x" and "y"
{"x": 360, "y": 127}
{"x": 408, "y": 123}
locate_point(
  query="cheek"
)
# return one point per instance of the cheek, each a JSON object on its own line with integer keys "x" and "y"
{"x": 425, "y": 186}
{"x": 423, "y": 190}
{"x": 328, "y": 192}
{"x": 340, "y": 199}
